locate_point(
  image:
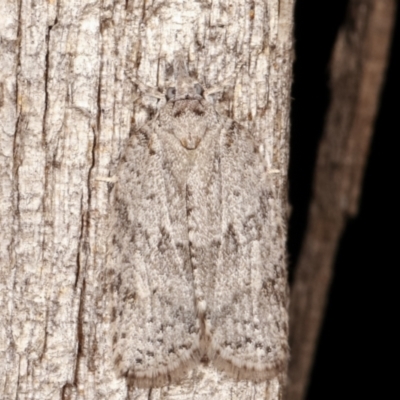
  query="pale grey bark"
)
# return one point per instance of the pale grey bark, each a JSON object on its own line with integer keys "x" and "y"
{"x": 66, "y": 108}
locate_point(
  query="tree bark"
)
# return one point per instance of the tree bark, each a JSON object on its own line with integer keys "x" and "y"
{"x": 66, "y": 108}
{"x": 358, "y": 66}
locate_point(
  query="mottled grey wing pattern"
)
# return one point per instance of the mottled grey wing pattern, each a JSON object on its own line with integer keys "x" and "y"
{"x": 197, "y": 255}
{"x": 247, "y": 305}
{"x": 239, "y": 269}
{"x": 155, "y": 324}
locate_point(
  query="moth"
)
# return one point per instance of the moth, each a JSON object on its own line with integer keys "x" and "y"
{"x": 196, "y": 264}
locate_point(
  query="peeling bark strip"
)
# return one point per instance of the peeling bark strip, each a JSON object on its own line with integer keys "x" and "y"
{"x": 67, "y": 111}
{"x": 357, "y": 69}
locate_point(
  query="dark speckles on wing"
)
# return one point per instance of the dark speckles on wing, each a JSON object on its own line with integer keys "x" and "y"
{"x": 165, "y": 241}
{"x": 198, "y": 111}
{"x": 178, "y": 113}
{"x": 231, "y": 134}
{"x": 231, "y": 238}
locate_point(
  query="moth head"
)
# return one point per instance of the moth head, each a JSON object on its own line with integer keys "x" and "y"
{"x": 185, "y": 89}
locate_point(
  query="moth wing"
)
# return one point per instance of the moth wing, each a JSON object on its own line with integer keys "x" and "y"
{"x": 155, "y": 326}
{"x": 246, "y": 319}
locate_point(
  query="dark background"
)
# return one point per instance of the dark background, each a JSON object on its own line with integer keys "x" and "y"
{"x": 356, "y": 346}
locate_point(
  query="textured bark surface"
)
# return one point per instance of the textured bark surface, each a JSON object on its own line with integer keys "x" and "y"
{"x": 66, "y": 108}
{"x": 358, "y": 66}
